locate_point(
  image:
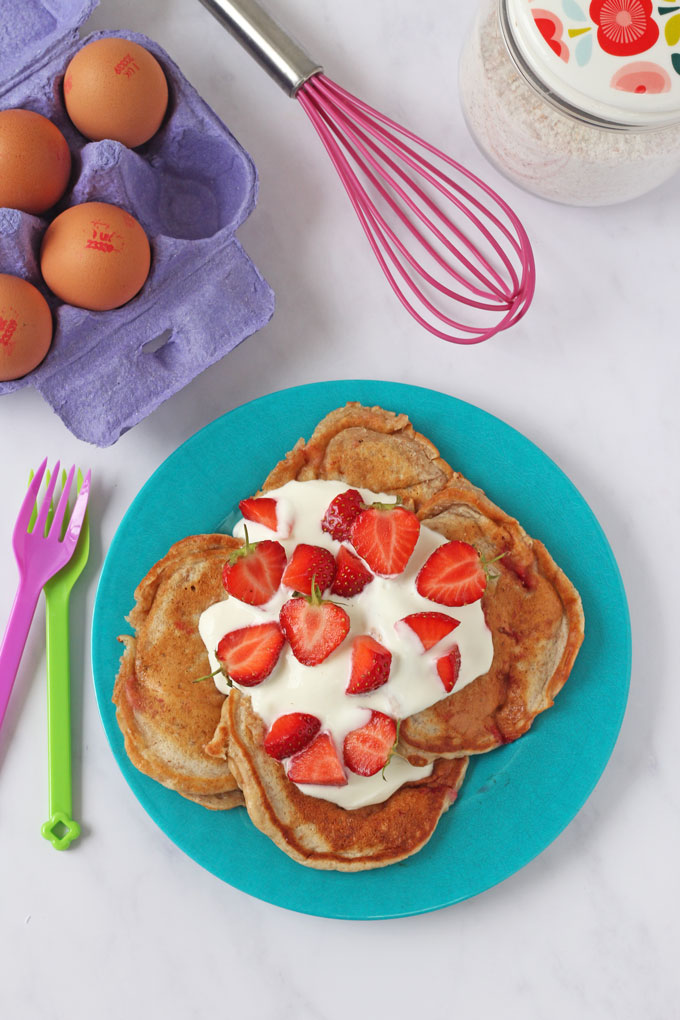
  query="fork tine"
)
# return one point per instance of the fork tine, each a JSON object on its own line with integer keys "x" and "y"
{"x": 58, "y": 519}
{"x": 78, "y": 515}
{"x": 34, "y": 511}
{"x": 47, "y": 499}
{"x": 28, "y": 504}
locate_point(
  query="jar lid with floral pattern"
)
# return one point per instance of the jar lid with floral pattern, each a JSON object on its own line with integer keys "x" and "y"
{"x": 617, "y": 61}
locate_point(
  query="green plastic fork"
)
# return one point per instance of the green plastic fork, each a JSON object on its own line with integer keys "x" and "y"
{"x": 60, "y": 828}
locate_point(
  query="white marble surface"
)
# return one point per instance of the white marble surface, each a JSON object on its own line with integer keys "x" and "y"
{"x": 124, "y": 924}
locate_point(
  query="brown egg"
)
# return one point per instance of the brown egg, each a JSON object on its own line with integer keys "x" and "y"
{"x": 95, "y": 256}
{"x": 114, "y": 88}
{"x": 35, "y": 162}
{"x": 25, "y": 327}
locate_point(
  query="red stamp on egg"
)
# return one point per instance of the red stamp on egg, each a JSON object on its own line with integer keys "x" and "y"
{"x": 104, "y": 239}
{"x": 8, "y": 328}
{"x": 127, "y": 66}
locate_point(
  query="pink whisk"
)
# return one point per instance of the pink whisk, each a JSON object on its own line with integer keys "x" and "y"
{"x": 448, "y": 253}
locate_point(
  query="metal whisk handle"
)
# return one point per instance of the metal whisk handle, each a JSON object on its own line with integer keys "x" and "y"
{"x": 274, "y": 50}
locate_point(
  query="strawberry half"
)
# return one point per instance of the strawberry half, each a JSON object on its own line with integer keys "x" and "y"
{"x": 385, "y": 535}
{"x": 253, "y": 572}
{"x": 367, "y": 750}
{"x": 290, "y": 733}
{"x": 261, "y": 510}
{"x": 370, "y": 668}
{"x": 313, "y": 626}
{"x": 448, "y": 668}
{"x": 308, "y": 563}
{"x": 249, "y": 654}
{"x": 340, "y": 514}
{"x": 453, "y": 575}
{"x": 430, "y": 628}
{"x": 319, "y": 764}
{"x": 351, "y": 576}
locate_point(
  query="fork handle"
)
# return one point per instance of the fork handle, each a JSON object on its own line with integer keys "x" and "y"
{"x": 14, "y": 640}
{"x": 59, "y": 721}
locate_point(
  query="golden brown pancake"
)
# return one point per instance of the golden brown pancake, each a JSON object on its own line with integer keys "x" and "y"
{"x": 369, "y": 447}
{"x": 323, "y": 835}
{"x": 531, "y": 607}
{"x": 166, "y": 718}
{"x": 190, "y": 738}
{"x": 536, "y": 620}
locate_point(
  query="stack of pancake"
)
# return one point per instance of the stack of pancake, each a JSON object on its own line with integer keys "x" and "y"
{"x": 209, "y": 749}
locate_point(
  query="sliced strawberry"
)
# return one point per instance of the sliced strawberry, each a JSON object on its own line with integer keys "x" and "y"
{"x": 313, "y": 626}
{"x": 253, "y": 572}
{"x": 431, "y": 628}
{"x": 385, "y": 535}
{"x": 262, "y": 510}
{"x": 309, "y": 562}
{"x": 370, "y": 668}
{"x": 341, "y": 511}
{"x": 453, "y": 575}
{"x": 249, "y": 654}
{"x": 448, "y": 668}
{"x": 319, "y": 764}
{"x": 367, "y": 750}
{"x": 352, "y": 575}
{"x": 290, "y": 733}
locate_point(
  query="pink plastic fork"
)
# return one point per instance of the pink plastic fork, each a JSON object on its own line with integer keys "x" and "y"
{"x": 39, "y": 556}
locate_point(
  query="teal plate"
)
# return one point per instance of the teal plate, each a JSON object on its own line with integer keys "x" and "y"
{"x": 515, "y": 800}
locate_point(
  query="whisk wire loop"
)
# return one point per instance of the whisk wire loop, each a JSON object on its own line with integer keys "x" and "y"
{"x": 500, "y": 295}
{"x": 371, "y": 221}
{"x": 352, "y": 130}
{"x": 423, "y": 168}
{"x": 518, "y": 242}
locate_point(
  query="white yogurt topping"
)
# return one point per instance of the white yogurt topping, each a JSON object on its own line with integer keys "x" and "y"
{"x": 413, "y": 684}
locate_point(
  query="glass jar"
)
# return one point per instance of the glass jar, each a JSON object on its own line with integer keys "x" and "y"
{"x": 576, "y": 104}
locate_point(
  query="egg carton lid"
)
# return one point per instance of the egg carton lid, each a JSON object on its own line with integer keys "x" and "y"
{"x": 105, "y": 372}
{"x": 32, "y": 32}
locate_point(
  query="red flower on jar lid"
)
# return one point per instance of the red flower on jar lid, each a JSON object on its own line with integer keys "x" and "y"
{"x": 551, "y": 28}
{"x": 625, "y": 27}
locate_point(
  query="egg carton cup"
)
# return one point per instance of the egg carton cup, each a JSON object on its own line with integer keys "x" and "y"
{"x": 190, "y": 187}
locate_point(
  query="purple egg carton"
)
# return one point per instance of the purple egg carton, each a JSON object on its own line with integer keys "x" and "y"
{"x": 190, "y": 187}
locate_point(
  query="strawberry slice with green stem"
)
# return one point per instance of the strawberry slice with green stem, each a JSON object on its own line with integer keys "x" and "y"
{"x": 314, "y": 626}
{"x": 248, "y": 655}
{"x": 385, "y": 535}
{"x": 368, "y": 749}
{"x": 454, "y": 575}
{"x": 253, "y": 572}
